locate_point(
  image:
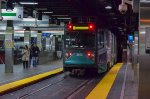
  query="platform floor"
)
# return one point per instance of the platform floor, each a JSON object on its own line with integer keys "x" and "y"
{"x": 20, "y": 73}
{"x": 125, "y": 85}
{"x": 120, "y": 82}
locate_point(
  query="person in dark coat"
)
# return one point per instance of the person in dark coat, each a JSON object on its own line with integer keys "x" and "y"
{"x": 31, "y": 55}
{"x": 35, "y": 54}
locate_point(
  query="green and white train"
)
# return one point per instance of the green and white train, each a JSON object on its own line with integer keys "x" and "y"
{"x": 88, "y": 48}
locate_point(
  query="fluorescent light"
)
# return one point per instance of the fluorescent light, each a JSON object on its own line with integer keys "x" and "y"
{"x": 145, "y": 1}
{"x": 64, "y": 18}
{"x": 119, "y": 28}
{"x": 29, "y": 19}
{"x": 108, "y": 7}
{"x": 29, "y": 3}
{"x": 9, "y": 10}
{"x": 48, "y": 12}
{"x": 114, "y": 18}
{"x": 59, "y": 15}
{"x": 142, "y": 32}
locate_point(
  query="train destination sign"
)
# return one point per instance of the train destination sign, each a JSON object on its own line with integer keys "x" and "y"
{"x": 80, "y": 27}
{"x": 87, "y": 27}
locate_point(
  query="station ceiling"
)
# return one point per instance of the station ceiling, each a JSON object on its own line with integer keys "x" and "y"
{"x": 110, "y": 18}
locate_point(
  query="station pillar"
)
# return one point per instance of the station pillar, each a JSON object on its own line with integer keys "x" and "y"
{"x": 39, "y": 38}
{"x": 9, "y": 47}
{"x": 27, "y": 36}
{"x": 48, "y": 44}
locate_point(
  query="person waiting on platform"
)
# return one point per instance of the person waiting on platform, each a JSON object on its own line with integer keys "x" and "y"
{"x": 31, "y": 55}
{"x": 25, "y": 57}
{"x": 35, "y": 57}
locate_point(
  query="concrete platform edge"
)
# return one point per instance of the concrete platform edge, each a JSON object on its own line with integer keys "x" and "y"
{"x": 27, "y": 81}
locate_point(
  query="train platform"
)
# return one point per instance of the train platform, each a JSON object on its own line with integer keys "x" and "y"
{"x": 23, "y": 76}
{"x": 119, "y": 83}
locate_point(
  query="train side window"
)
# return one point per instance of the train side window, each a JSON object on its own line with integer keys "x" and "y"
{"x": 100, "y": 40}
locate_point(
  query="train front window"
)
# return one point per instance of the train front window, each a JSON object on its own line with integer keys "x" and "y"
{"x": 80, "y": 40}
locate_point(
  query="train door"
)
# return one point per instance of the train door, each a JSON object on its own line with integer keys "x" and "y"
{"x": 101, "y": 52}
{"x": 109, "y": 49}
{"x": 114, "y": 49}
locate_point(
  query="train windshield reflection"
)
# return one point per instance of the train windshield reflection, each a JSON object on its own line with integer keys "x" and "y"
{"x": 80, "y": 40}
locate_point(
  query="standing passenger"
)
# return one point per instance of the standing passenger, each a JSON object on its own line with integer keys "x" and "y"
{"x": 31, "y": 55}
{"x": 35, "y": 51}
{"x": 25, "y": 57}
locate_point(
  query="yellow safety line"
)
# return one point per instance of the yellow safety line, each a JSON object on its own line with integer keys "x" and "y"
{"x": 102, "y": 89}
{"x": 19, "y": 83}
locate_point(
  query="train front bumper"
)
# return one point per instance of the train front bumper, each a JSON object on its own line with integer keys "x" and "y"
{"x": 68, "y": 67}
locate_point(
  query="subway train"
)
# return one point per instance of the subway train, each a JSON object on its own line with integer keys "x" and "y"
{"x": 88, "y": 48}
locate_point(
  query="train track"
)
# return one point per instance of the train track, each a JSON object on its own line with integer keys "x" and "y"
{"x": 77, "y": 85}
{"x": 78, "y": 89}
{"x": 38, "y": 90}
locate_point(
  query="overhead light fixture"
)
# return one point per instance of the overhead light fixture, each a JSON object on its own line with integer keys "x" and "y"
{"x": 142, "y": 32}
{"x": 108, "y": 7}
{"x": 59, "y": 15}
{"x": 29, "y": 3}
{"x": 41, "y": 9}
{"x": 64, "y": 18}
{"x": 48, "y": 12}
{"x": 9, "y": 6}
{"x": 145, "y": 1}
{"x": 120, "y": 28}
{"x": 114, "y": 18}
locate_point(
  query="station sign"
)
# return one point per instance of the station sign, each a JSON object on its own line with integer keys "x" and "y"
{"x": 46, "y": 34}
{"x": 130, "y": 38}
{"x": 16, "y": 14}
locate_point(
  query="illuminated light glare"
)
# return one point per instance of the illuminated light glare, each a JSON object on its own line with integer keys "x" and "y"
{"x": 70, "y": 53}
{"x": 108, "y": 7}
{"x": 143, "y": 32}
{"x": 120, "y": 28}
{"x": 70, "y": 26}
{"x": 60, "y": 15}
{"x": 48, "y": 12}
{"x": 64, "y": 18}
{"x": 91, "y": 26}
{"x": 29, "y": 3}
{"x": 114, "y": 18}
{"x": 9, "y": 10}
{"x": 145, "y": 1}
{"x": 89, "y": 54}
{"x": 145, "y": 20}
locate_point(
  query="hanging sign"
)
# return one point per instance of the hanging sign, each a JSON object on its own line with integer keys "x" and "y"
{"x": 16, "y": 14}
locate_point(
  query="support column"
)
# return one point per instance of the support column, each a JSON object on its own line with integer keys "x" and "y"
{"x": 48, "y": 44}
{"x": 144, "y": 52}
{"x": 39, "y": 38}
{"x": 9, "y": 47}
{"x": 27, "y": 36}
